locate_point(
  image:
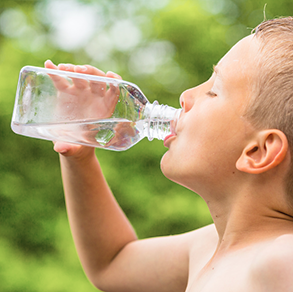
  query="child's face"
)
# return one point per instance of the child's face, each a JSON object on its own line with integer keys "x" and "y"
{"x": 211, "y": 132}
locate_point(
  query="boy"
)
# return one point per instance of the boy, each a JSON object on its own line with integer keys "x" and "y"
{"x": 239, "y": 163}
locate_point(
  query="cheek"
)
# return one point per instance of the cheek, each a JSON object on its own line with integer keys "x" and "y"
{"x": 196, "y": 159}
{"x": 204, "y": 146}
{"x": 181, "y": 162}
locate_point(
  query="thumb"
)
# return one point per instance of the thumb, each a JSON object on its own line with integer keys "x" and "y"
{"x": 66, "y": 149}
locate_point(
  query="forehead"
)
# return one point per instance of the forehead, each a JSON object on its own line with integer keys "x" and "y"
{"x": 241, "y": 56}
{"x": 237, "y": 72}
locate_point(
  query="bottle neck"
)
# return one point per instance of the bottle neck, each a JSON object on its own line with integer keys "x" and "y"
{"x": 161, "y": 120}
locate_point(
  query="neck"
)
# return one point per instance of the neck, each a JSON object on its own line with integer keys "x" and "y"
{"x": 251, "y": 217}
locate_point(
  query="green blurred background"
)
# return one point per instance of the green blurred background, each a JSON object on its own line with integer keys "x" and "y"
{"x": 165, "y": 47}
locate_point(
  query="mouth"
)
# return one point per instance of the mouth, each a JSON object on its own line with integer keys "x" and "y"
{"x": 168, "y": 139}
{"x": 173, "y": 133}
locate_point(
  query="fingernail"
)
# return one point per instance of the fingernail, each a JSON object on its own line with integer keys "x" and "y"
{"x": 67, "y": 66}
{"x": 114, "y": 74}
{"x": 60, "y": 66}
{"x": 82, "y": 68}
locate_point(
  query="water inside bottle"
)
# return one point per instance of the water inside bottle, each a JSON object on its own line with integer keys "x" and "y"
{"x": 112, "y": 134}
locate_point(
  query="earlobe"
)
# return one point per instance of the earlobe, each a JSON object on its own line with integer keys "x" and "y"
{"x": 265, "y": 152}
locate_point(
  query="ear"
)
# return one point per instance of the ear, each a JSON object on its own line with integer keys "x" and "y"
{"x": 265, "y": 152}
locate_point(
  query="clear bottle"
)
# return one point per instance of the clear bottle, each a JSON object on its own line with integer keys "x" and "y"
{"x": 87, "y": 109}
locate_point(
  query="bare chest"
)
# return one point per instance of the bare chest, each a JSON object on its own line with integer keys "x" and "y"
{"x": 232, "y": 274}
{"x": 234, "y": 280}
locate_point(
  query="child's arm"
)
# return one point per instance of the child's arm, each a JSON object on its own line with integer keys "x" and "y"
{"x": 111, "y": 255}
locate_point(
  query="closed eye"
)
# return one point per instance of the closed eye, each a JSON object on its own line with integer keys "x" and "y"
{"x": 211, "y": 94}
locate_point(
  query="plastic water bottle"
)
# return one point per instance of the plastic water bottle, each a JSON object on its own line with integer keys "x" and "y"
{"x": 86, "y": 109}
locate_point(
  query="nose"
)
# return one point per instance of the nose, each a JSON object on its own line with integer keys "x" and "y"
{"x": 187, "y": 100}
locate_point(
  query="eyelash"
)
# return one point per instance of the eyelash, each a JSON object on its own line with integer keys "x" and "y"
{"x": 211, "y": 94}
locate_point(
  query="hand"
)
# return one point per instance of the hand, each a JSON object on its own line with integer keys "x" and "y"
{"x": 83, "y": 99}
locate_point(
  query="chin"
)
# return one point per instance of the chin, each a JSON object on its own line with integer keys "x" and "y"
{"x": 170, "y": 169}
{"x": 166, "y": 168}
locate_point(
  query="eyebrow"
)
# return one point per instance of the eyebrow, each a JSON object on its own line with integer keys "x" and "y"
{"x": 217, "y": 71}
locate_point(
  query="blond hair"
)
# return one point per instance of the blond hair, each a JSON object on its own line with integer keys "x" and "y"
{"x": 271, "y": 105}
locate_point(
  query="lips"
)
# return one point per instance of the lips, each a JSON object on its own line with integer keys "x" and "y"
{"x": 173, "y": 125}
{"x": 167, "y": 138}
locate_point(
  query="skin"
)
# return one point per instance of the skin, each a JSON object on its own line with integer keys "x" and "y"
{"x": 238, "y": 170}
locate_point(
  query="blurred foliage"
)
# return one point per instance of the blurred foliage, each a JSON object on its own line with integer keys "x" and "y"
{"x": 163, "y": 46}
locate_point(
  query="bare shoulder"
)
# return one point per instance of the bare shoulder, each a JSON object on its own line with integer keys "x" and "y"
{"x": 277, "y": 253}
{"x": 204, "y": 236}
{"x": 203, "y": 244}
{"x": 272, "y": 269}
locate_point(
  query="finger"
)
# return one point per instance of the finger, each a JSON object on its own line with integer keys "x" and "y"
{"x": 50, "y": 65}
{"x": 97, "y": 87}
{"x": 88, "y": 69}
{"x": 59, "y": 82}
{"x": 112, "y": 98}
{"x": 66, "y": 149}
{"x": 113, "y": 75}
{"x": 78, "y": 82}
{"x": 113, "y": 93}
{"x": 114, "y": 89}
